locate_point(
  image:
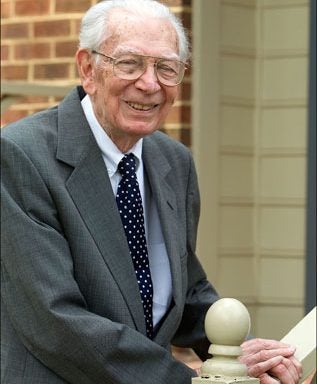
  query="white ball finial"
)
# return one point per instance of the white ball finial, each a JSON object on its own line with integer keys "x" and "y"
{"x": 227, "y": 322}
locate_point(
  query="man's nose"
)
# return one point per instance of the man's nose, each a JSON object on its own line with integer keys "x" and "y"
{"x": 148, "y": 81}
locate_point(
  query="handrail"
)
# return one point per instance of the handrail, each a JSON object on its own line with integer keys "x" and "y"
{"x": 12, "y": 90}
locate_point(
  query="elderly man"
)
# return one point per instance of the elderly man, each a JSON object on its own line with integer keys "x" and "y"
{"x": 100, "y": 214}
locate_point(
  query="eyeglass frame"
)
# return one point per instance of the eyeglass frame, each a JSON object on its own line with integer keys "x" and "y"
{"x": 113, "y": 59}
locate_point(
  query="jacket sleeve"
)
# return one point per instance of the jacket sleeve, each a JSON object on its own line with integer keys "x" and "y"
{"x": 43, "y": 300}
{"x": 200, "y": 293}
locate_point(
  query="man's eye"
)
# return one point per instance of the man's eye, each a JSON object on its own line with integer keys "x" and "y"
{"x": 127, "y": 62}
{"x": 166, "y": 68}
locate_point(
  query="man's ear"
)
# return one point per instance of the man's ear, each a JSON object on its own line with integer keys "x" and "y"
{"x": 86, "y": 70}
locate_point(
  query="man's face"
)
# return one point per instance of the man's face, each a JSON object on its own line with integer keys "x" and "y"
{"x": 130, "y": 109}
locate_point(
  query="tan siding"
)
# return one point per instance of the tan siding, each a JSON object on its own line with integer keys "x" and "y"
{"x": 255, "y": 207}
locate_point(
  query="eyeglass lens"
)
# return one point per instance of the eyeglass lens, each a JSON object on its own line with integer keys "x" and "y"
{"x": 130, "y": 67}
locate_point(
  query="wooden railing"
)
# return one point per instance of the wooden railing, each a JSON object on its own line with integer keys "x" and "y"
{"x": 11, "y": 91}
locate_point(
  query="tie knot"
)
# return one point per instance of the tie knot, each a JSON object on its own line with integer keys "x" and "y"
{"x": 127, "y": 165}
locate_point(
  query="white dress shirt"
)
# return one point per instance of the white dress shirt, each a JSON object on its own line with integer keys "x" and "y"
{"x": 158, "y": 258}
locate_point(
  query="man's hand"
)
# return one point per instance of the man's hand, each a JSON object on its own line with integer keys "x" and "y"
{"x": 271, "y": 361}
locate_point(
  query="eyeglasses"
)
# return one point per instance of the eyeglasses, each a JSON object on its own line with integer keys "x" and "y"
{"x": 131, "y": 66}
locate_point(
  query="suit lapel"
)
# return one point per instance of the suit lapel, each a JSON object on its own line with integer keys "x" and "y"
{"x": 91, "y": 191}
{"x": 158, "y": 170}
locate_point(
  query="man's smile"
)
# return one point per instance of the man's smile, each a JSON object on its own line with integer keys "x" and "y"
{"x": 141, "y": 107}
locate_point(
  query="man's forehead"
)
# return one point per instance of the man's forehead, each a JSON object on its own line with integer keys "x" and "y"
{"x": 123, "y": 26}
{"x": 132, "y": 50}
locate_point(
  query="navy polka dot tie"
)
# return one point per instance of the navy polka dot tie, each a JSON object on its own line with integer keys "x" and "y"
{"x": 129, "y": 203}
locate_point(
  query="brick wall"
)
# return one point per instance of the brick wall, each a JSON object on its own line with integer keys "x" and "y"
{"x": 38, "y": 43}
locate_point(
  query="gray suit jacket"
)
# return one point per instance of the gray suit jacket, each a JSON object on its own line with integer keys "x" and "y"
{"x": 71, "y": 310}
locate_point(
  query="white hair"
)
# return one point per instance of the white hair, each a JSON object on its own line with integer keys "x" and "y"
{"x": 93, "y": 31}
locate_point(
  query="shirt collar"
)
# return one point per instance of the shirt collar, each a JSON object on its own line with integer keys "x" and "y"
{"x": 111, "y": 154}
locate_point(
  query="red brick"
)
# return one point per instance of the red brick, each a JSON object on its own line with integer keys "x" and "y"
{"x": 66, "y": 48}
{"x": 4, "y": 52}
{"x": 186, "y": 114}
{"x": 31, "y": 7}
{"x": 173, "y": 133}
{"x": 35, "y": 110}
{"x": 14, "y": 72}
{"x": 51, "y": 71}
{"x": 72, "y": 5}
{"x": 185, "y": 91}
{"x": 5, "y": 9}
{"x": 186, "y": 18}
{"x": 176, "y": 3}
{"x": 10, "y": 116}
{"x": 31, "y": 51}
{"x": 14, "y": 31}
{"x": 179, "y": 114}
{"x": 52, "y": 28}
{"x": 77, "y": 26}
{"x": 172, "y": 3}
{"x": 57, "y": 99}
{"x": 185, "y": 136}
{"x": 182, "y": 134}
{"x": 75, "y": 68}
{"x": 34, "y": 99}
